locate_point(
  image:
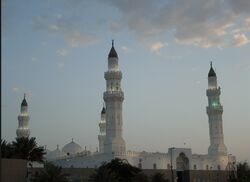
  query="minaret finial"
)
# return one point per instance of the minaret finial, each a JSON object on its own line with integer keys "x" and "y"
{"x": 24, "y": 95}
{"x": 72, "y": 139}
{"x": 211, "y": 64}
{"x": 57, "y": 146}
{"x": 113, "y": 43}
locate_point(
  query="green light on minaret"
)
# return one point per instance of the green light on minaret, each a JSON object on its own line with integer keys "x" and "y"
{"x": 214, "y": 104}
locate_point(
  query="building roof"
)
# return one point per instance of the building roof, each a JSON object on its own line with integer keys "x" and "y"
{"x": 211, "y": 71}
{"x": 112, "y": 52}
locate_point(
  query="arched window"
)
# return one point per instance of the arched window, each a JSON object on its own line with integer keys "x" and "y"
{"x": 206, "y": 167}
{"x": 154, "y": 166}
{"x": 218, "y": 167}
{"x": 195, "y": 167}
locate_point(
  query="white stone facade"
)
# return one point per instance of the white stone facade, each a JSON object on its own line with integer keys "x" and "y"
{"x": 112, "y": 144}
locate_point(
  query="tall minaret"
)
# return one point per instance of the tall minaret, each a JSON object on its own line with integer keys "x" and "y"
{"x": 113, "y": 97}
{"x": 23, "y": 120}
{"x": 102, "y": 134}
{"x": 214, "y": 112}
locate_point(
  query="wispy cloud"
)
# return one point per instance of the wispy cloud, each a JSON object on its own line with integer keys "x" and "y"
{"x": 157, "y": 46}
{"x": 68, "y": 27}
{"x": 204, "y": 23}
{"x": 62, "y": 52}
{"x": 60, "y": 65}
{"x": 125, "y": 49}
{"x": 15, "y": 89}
{"x": 240, "y": 40}
{"x": 76, "y": 39}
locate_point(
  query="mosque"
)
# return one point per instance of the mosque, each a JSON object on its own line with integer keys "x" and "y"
{"x": 111, "y": 142}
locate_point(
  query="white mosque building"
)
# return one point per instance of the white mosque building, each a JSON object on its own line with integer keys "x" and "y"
{"x": 112, "y": 145}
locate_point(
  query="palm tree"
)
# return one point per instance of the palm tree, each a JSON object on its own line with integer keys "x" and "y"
{"x": 26, "y": 148}
{"x": 50, "y": 173}
{"x": 6, "y": 149}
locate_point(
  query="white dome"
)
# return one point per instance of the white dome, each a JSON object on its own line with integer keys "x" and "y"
{"x": 55, "y": 154}
{"x": 72, "y": 148}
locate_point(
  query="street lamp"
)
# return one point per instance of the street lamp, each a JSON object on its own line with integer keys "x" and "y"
{"x": 172, "y": 172}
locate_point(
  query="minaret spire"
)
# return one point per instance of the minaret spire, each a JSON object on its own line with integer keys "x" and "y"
{"x": 214, "y": 112}
{"x": 23, "y": 120}
{"x": 112, "y": 43}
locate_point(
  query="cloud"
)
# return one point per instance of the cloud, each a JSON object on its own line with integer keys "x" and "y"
{"x": 62, "y": 52}
{"x": 15, "y": 89}
{"x": 125, "y": 49}
{"x": 240, "y": 40}
{"x": 60, "y": 65}
{"x": 68, "y": 27}
{"x": 157, "y": 46}
{"x": 205, "y": 23}
{"x": 76, "y": 38}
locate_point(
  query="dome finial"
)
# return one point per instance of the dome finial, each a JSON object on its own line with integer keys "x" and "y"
{"x": 72, "y": 139}
{"x": 57, "y": 146}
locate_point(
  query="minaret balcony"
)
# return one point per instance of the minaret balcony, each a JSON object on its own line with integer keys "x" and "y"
{"x": 113, "y": 95}
{"x": 214, "y": 110}
{"x": 113, "y": 75}
{"x": 213, "y": 92}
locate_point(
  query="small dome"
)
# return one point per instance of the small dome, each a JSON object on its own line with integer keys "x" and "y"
{"x": 112, "y": 53}
{"x": 211, "y": 72}
{"x": 55, "y": 154}
{"x": 72, "y": 148}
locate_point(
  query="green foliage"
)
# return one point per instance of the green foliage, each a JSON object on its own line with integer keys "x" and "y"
{"x": 50, "y": 173}
{"x": 243, "y": 172}
{"x": 6, "y": 149}
{"x": 116, "y": 170}
{"x": 22, "y": 148}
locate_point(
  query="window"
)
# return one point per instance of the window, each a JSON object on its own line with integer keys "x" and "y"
{"x": 218, "y": 167}
{"x": 139, "y": 165}
{"x": 154, "y": 166}
{"x": 206, "y": 167}
{"x": 195, "y": 167}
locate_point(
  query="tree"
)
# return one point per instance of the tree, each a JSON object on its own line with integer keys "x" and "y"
{"x": 158, "y": 177}
{"x": 22, "y": 148}
{"x": 140, "y": 177}
{"x": 243, "y": 172}
{"x": 118, "y": 169}
{"x": 103, "y": 174}
{"x": 6, "y": 149}
{"x": 50, "y": 173}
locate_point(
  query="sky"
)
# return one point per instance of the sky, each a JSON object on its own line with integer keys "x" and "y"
{"x": 56, "y": 52}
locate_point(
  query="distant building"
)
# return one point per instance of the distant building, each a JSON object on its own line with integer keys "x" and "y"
{"x": 112, "y": 145}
